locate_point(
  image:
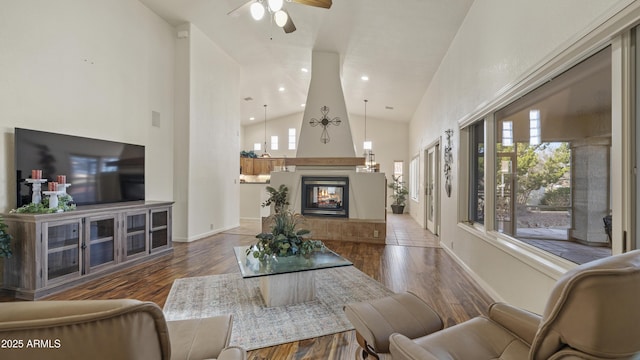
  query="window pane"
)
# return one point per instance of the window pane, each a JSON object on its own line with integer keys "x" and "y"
{"x": 553, "y": 166}
{"x": 257, "y": 147}
{"x": 397, "y": 169}
{"x": 274, "y": 142}
{"x": 476, "y": 200}
{"x": 292, "y": 139}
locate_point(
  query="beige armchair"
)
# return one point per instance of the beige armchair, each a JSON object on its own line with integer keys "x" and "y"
{"x": 109, "y": 329}
{"x": 593, "y": 313}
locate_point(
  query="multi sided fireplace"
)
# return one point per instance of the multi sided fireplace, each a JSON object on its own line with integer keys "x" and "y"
{"x": 325, "y": 196}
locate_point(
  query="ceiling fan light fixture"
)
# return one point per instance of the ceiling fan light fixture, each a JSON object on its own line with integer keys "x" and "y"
{"x": 275, "y": 5}
{"x": 257, "y": 11}
{"x": 280, "y": 18}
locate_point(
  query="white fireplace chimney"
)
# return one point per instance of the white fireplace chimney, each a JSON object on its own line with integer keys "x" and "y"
{"x": 325, "y": 89}
{"x": 366, "y": 191}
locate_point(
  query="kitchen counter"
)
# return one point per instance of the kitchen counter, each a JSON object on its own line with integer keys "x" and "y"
{"x": 255, "y": 179}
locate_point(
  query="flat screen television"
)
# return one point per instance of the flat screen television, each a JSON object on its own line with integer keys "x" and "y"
{"x": 99, "y": 171}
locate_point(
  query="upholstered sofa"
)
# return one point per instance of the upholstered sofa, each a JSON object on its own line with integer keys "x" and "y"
{"x": 109, "y": 329}
{"x": 592, "y": 313}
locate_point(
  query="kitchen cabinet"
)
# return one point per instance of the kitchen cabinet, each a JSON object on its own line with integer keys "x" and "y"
{"x": 260, "y": 166}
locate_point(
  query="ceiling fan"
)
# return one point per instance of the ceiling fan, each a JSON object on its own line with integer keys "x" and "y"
{"x": 281, "y": 17}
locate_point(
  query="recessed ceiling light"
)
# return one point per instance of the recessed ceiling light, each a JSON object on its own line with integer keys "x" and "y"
{"x": 281, "y": 89}
{"x": 248, "y": 98}
{"x": 388, "y": 107}
{"x": 304, "y": 70}
{"x": 303, "y": 105}
{"x": 364, "y": 78}
{"x": 252, "y": 118}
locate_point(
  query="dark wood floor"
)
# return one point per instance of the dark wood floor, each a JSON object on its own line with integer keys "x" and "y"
{"x": 426, "y": 270}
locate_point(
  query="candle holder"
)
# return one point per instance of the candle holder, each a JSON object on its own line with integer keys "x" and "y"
{"x": 36, "y": 189}
{"x": 53, "y": 198}
{"x": 62, "y": 188}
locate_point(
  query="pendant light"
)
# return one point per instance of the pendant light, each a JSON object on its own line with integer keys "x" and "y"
{"x": 367, "y": 144}
{"x": 265, "y": 154}
{"x": 369, "y": 158}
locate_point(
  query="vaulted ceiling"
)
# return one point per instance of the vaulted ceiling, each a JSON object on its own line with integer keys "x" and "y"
{"x": 397, "y": 44}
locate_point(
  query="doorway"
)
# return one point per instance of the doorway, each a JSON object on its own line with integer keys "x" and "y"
{"x": 432, "y": 184}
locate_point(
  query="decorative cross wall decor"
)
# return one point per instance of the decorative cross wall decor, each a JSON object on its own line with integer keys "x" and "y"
{"x": 325, "y": 121}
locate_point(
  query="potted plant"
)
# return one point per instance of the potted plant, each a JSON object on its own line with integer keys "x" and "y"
{"x": 248, "y": 154}
{"x": 284, "y": 239}
{"x": 277, "y": 197}
{"x": 399, "y": 195}
{"x": 5, "y": 241}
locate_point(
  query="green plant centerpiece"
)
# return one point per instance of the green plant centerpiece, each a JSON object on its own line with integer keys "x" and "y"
{"x": 285, "y": 239}
{"x": 5, "y": 241}
{"x": 248, "y": 154}
{"x": 399, "y": 194}
{"x": 65, "y": 203}
{"x": 277, "y": 197}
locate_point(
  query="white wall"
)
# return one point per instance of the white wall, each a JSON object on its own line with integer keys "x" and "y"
{"x": 98, "y": 69}
{"x": 389, "y": 142}
{"x": 88, "y": 68}
{"x": 207, "y": 140}
{"x": 251, "y": 198}
{"x": 500, "y": 42}
{"x": 181, "y": 134}
{"x": 254, "y": 133}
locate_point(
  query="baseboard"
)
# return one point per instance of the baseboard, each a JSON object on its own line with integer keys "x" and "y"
{"x": 483, "y": 284}
{"x": 204, "y": 235}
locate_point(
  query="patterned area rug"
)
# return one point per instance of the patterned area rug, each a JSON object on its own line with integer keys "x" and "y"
{"x": 255, "y": 325}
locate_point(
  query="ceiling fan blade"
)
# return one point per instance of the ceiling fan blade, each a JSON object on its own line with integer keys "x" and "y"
{"x": 240, "y": 9}
{"x": 317, "y": 3}
{"x": 289, "y": 27}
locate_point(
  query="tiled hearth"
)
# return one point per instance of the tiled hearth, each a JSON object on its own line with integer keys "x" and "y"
{"x": 358, "y": 230}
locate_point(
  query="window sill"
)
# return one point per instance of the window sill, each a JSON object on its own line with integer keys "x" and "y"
{"x": 547, "y": 263}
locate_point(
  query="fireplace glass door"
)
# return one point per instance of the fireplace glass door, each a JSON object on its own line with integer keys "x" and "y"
{"x": 325, "y": 196}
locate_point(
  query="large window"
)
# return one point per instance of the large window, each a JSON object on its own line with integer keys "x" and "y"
{"x": 552, "y": 166}
{"x": 476, "y": 191}
{"x": 274, "y": 142}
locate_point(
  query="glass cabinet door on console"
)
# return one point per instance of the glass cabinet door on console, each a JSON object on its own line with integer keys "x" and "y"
{"x": 100, "y": 246}
{"x": 160, "y": 230}
{"x": 61, "y": 250}
{"x": 136, "y": 230}
{"x": 63, "y": 258}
